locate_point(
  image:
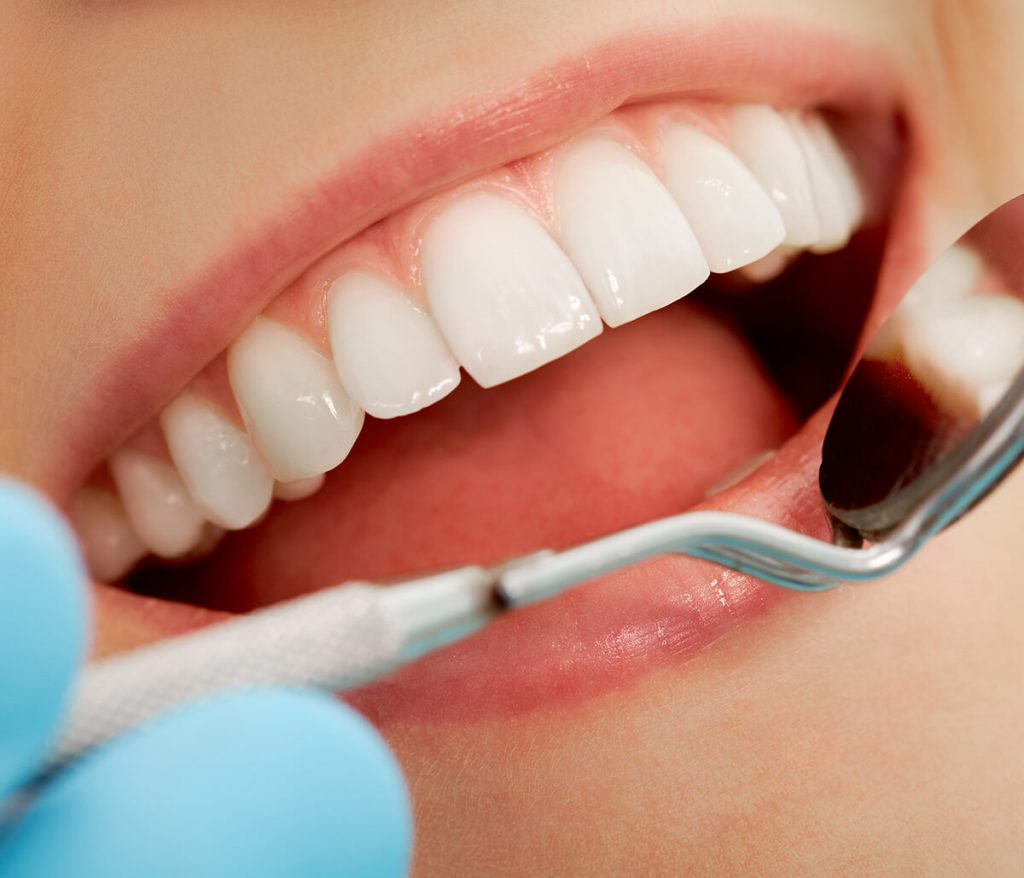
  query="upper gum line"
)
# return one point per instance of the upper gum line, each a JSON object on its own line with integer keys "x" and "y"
{"x": 281, "y": 408}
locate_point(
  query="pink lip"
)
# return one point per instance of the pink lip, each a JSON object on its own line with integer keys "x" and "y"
{"x": 506, "y": 122}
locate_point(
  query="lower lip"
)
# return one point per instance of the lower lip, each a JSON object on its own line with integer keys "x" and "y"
{"x": 610, "y": 632}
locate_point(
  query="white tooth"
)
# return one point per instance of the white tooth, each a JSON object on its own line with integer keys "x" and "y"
{"x": 157, "y": 502}
{"x": 763, "y": 139}
{"x": 733, "y": 217}
{"x": 218, "y": 463}
{"x": 110, "y": 545}
{"x": 389, "y": 353}
{"x": 507, "y": 299}
{"x": 831, "y": 193}
{"x": 964, "y": 350}
{"x": 624, "y": 232}
{"x": 298, "y": 490}
{"x": 953, "y": 275}
{"x": 297, "y": 412}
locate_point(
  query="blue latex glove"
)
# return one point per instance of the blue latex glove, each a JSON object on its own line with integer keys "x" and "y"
{"x": 262, "y": 784}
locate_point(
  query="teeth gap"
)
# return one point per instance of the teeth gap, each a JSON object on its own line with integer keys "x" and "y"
{"x": 616, "y": 223}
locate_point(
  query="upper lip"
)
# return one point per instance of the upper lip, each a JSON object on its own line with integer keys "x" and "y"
{"x": 489, "y": 129}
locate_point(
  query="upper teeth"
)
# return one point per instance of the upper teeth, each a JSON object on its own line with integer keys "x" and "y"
{"x": 624, "y": 232}
{"x": 505, "y": 295}
{"x": 292, "y": 401}
{"x": 389, "y": 353}
{"x": 767, "y": 143}
{"x": 501, "y": 276}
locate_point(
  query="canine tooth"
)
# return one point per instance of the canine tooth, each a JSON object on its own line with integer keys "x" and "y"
{"x": 831, "y": 196}
{"x": 507, "y": 299}
{"x": 292, "y": 401}
{"x": 734, "y": 219}
{"x": 157, "y": 502}
{"x": 388, "y": 352}
{"x": 298, "y": 490}
{"x": 761, "y": 137}
{"x": 223, "y": 471}
{"x": 965, "y": 350}
{"x": 624, "y": 232}
{"x": 110, "y": 545}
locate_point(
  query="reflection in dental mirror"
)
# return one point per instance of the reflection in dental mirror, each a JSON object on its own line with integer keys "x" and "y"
{"x": 943, "y": 372}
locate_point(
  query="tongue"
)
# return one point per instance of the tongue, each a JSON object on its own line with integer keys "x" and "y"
{"x": 637, "y": 424}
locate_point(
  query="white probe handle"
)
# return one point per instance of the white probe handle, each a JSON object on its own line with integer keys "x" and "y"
{"x": 336, "y": 638}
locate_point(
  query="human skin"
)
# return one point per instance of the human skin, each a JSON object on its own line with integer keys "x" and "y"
{"x": 871, "y": 730}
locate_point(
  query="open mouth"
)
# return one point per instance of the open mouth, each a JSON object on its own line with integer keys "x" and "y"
{"x": 642, "y": 319}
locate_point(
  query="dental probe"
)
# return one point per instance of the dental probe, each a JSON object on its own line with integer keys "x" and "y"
{"x": 341, "y": 637}
{"x": 350, "y": 634}
{"x": 344, "y": 636}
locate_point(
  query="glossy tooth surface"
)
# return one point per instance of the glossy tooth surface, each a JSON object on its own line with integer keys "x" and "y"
{"x": 765, "y": 142}
{"x": 298, "y": 490}
{"x": 624, "y": 232}
{"x": 734, "y": 219}
{"x": 297, "y": 412}
{"x": 965, "y": 351}
{"x": 222, "y": 470}
{"x": 388, "y": 352}
{"x": 832, "y": 199}
{"x": 110, "y": 545}
{"x": 157, "y": 503}
{"x": 507, "y": 299}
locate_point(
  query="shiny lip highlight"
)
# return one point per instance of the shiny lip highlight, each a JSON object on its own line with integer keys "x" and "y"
{"x": 730, "y": 62}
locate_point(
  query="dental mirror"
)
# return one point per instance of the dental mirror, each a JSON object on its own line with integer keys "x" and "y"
{"x": 943, "y": 376}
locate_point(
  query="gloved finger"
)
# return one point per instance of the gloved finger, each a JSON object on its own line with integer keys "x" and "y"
{"x": 260, "y": 784}
{"x": 42, "y": 627}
